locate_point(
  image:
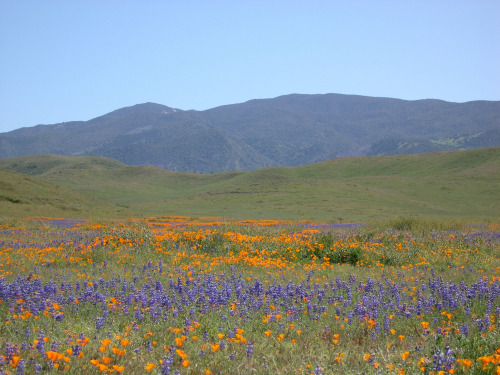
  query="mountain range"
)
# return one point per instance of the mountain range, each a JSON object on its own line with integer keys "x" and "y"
{"x": 288, "y": 130}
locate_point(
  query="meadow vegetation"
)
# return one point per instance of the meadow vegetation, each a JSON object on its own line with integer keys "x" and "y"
{"x": 445, "y": 185}
{"x": 209, "y": 295}
{"x": 370, "y": 265}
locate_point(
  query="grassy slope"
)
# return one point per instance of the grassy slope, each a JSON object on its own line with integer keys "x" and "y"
{"x": 443, "y": 184}
{"x": 453, "y": 184}
{"x": 22, "y": 196}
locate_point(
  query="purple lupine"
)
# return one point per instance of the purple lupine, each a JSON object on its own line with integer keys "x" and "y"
{"x": 77, "y": 349}
{"x": 442, "y": 361}
{"x": 249, "y": 350}
{"x": 21, "y": 367}
{"x": 318, "y": 371}
{"x": 27, "y": 333}
{"x": 99, "y": 323}
{"x": 38, "y": 369}
{"x": 168, "y": 361}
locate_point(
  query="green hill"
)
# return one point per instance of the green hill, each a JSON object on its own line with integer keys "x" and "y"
{"x": 23, "y": 196}
{"x": 461, "y": 184}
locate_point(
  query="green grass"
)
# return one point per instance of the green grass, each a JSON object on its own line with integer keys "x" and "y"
{"x": 461, "y": 184}
{"x": 22, "y": 196}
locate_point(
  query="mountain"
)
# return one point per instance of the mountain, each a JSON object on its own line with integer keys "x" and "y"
{"x": 288, "y": 130}
{"x": 453, "y": 184}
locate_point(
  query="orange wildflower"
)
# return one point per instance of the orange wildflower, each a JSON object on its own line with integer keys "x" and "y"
{"x": 15, "y": 361}
{"x": 106, "y": 360}
{"x": 150, "y": 366}
{"x": 119, "y": 352}
{"x": 181, "y": 354}
{"x": 102, "y": 367}
{"x": 105, "y": 342}
{"x": 54, "y": 356}
{"x": 83, "y": 341}
{"x": 465, "y": 362}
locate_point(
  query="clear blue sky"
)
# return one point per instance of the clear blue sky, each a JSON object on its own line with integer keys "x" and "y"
{"x": 76, "y": 60}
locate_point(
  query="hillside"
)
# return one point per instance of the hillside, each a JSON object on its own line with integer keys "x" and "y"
{"x": 450, "y": 184}
{"x": 288, "y": 130}
{"x": 23, "y": 196}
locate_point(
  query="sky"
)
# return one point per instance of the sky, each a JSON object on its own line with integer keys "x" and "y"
{"x": 77, "y": 60}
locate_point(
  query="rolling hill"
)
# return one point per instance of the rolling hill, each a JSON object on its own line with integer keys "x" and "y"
{"x": 455, "y": 184}
{"x": 23, "y": 196}
{"x": 288, "y": 130}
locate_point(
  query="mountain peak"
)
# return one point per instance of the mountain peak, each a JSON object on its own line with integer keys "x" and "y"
{"x": 154, "y": 107}
{"x": 148, "y": 107}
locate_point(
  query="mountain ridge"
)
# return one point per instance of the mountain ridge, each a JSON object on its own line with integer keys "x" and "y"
{"x": 288, "y": 130}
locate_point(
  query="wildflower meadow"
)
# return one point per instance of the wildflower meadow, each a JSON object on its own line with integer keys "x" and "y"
{"x": 181, "y": 295}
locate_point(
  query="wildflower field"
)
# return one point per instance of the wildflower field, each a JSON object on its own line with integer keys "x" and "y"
{"x": 168, "y": 295}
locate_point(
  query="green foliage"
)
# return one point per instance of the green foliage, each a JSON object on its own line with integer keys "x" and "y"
{"x": 419, "y": 224}
{"x": 466, "y": 141}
